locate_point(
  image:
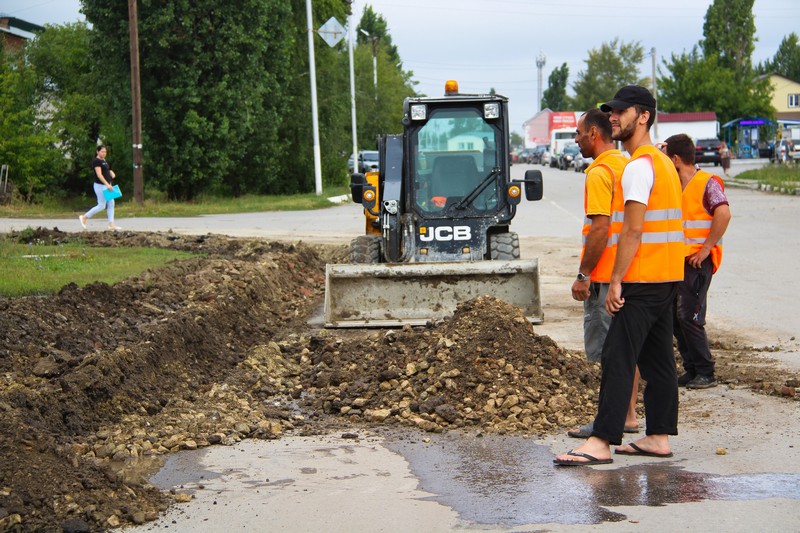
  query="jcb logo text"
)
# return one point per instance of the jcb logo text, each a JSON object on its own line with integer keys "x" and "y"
{"x": 446, "y": 233}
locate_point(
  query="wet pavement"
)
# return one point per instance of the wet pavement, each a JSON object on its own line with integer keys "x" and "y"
{"x": 511, "y": 481}
{"x": 398, "y": 480}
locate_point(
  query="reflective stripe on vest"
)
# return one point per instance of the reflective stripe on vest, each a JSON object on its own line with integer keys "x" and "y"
{"x": 659, "y": 257}
{"x": 697, "y": 221}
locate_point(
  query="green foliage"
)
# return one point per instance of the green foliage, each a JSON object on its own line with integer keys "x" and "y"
{"x": 26, "y": 145}
{"x": 786, "y": 61}
{"x": 721, "y": 78}
{"x": 378, "y": 110}
{"x": 226, "y": 106}
{"x": 211, "y": 74}
{"x": 37, "y": 268}
{"x": 613, "y": 65}
{"x": 698, "y": 83}
{"x": 516, "y": 139}
{"x": 75, "y": 105}
{"x": 555, "y": 96}
{"x": 729, "y": 35}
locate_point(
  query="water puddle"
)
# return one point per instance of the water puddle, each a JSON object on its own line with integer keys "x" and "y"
{"x": 512, "y": 481}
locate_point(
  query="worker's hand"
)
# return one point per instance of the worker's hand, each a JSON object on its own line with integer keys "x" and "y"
{"x": 697, "y": 258}
{"x": 109, "y": 187}
{"x": 614, "y": 300}
{"x": 580, "y": 290}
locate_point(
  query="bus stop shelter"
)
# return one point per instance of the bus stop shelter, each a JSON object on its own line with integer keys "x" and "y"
{"x": 750, "y": 137}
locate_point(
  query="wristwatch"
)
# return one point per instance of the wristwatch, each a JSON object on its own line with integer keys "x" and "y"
{"x": 582, "y": 277}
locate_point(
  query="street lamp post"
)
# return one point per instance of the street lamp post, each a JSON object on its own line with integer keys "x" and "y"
{"x": 374, "y": 42}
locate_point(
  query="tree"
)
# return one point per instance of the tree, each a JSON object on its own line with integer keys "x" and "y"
{"x": 613, "y": 65}
{"x": 516, "y": 139}
{"x": 699, "y": 83}
{"x": 379, "y": 111}
{"x": 26, "y": 145}
{"x": 72, "y": 104}
{"x": 212, "y": 79}
{"x": 721, "y": 78}
{"x": 787, "y": 59}
{"x": 555, "y": 96}
{"x": 729, "y": 34}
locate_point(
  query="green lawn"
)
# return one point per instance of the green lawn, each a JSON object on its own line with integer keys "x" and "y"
{"x": 68, "y": 208}
{"x": 776, "y": 175}
{"x": 38, "y": 268}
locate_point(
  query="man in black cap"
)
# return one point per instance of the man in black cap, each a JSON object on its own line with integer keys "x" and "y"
{"x": 647, "y": 232}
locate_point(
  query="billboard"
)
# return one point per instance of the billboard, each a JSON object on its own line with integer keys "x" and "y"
{"x": 562, "y": 119}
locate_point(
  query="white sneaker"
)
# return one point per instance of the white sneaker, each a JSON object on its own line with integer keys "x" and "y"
{"x": 114, "y": 226}
{"x": 82, "y": 220}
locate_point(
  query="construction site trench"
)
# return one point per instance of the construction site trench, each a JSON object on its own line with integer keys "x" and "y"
{"x": 99, "y": 383}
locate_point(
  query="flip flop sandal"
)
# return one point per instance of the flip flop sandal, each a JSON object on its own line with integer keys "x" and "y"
{"x": 644, "y": 453}
{"x": 592, "y": 460}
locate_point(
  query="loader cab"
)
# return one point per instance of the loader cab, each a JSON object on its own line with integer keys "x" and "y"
{"x": 456, "y": 156}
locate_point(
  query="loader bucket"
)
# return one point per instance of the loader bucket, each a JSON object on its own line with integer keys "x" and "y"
{"x": 381, "y": 295}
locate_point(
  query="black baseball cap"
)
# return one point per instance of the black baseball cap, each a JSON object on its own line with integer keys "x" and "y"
{"x": 628, "y": 96}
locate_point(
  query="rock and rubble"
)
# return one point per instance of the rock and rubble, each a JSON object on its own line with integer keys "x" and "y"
{"x": 98, "y": 383}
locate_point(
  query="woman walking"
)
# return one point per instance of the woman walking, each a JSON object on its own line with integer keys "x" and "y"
{"x": 103, "y": 180}
{"x": 725, "y": 157}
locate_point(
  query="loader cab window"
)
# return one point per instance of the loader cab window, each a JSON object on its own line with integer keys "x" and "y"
{"x": 452, "y": 154}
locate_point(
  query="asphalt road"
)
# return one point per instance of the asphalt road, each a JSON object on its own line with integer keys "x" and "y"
{"x": 381, "y": 483}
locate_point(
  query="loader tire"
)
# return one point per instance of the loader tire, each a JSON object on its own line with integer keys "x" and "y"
{"x": 504, "y": 246}
{"x": 365, "y": 249}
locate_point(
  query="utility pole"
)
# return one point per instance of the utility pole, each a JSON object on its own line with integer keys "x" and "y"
{"x": 539, "y": 65}
{"x": 312, "y": 68}
{"x": 655, "y": 91}
{"x": 350, "y": 37}
{"x": 136, "y": 104}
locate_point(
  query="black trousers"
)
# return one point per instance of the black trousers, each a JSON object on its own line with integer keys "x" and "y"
{"x": 690, "y": 319}
{"x": 640, "y": 334}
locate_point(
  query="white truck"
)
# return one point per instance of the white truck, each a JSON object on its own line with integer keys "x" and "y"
{"x": 559, "y": 138}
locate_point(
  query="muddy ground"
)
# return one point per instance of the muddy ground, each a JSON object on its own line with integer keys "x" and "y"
{"x": 98, "y": 383}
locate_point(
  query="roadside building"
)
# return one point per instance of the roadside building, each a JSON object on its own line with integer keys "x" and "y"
{"x": 14, "y": 32}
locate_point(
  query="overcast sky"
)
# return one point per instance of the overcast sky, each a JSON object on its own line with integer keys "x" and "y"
{"x": 494, "y": 43}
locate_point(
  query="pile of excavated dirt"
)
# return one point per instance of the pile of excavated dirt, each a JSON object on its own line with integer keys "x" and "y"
{"x": 97, "y": 383}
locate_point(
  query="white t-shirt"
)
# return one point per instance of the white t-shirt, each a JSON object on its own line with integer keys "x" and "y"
{"x": 637, "y": 180}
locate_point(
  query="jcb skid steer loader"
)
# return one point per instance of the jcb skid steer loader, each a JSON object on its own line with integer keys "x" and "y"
{"x": 437, "y": 219}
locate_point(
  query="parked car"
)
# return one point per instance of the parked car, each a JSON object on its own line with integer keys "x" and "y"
{"x": 787, "y": 151}
{"x": 707, "y": 151}
{"x": 538, "y": 152}
{"x": 546, "y": 157}
{"x": 526, "y": 155}
{"x": 367, "y": 161}
{"x": 582, "y": 162}
{"x": 567, "y": 157}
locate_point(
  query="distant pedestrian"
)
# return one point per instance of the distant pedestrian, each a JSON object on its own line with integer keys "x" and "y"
{"x": 593, "y": 136}
{"x": 724, "y": 157}
{"x": 646, "y": 228}
{"x": 103, "y": 180}
{"x": 706, "y": 214}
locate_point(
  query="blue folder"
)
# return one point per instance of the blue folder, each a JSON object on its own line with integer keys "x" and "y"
{"x": 110, "y": 195}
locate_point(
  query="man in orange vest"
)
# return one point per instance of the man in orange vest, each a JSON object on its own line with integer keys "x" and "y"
{"x": 593, "y": 136}
{"x": 706, "y": 214}
{"x": 647, "y": 233}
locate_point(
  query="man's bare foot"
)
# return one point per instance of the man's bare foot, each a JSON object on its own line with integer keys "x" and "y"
{"x": 649, "y": 446}
{"x": 597, "y": 450}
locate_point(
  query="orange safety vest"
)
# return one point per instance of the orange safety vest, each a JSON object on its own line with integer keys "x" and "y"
{"x": 696, "y": 220}
{"x": 613, "y": 162}
{"x": 660, "y": 256}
